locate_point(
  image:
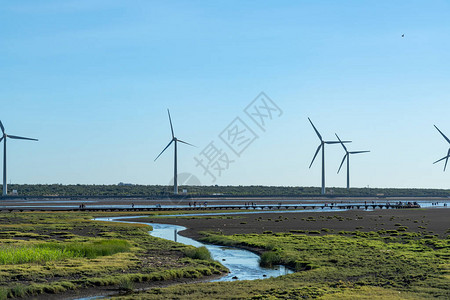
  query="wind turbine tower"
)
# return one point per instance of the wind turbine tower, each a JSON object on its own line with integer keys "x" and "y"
{"x": 322, "y": 146}
{"x": 174, "y": 139}
{"x": 347, "y": 156}
{"x": 4, "y": 138}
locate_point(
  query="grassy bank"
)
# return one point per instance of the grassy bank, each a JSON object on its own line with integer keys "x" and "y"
{"x": 56, "y": 252}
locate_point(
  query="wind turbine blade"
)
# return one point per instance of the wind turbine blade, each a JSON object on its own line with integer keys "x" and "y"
{"x": 357, "y": 152}
{"x": 317, "y": 151}
{"x": 440, "y": 159}
{"x": 186, "y": 143}
{"x": 3, "y": 128}
{"x": 317, "y": 132}
{"x": 336, "y": 142}
{"x": 446, "y": 159}
{"x": 21, "y": 138}
{"x": 1, "y": 139}
{"x": 345, "y": 148}
{"x": 442, "y": 134}
{"x": 345, "y": 156}
{"x": 164, "y": 150}
{"x": 170, "y": 120}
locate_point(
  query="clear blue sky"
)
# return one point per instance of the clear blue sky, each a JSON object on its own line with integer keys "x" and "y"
{"x": 92, "y": 80}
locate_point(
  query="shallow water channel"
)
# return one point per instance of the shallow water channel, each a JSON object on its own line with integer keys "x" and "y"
{"x": 243, "y": 264}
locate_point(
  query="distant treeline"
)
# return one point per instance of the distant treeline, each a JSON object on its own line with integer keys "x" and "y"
{"x": 204, "y": 191}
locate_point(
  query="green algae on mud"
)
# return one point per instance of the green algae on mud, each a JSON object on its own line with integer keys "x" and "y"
{"x": 97, "y": 254}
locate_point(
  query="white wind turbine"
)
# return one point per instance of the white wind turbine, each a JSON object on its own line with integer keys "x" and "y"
{"x": 322, "y": 146}
{"x": 174, "y": 139}
{"x": 347, "y": 156}
{"x": 4, "y": 138}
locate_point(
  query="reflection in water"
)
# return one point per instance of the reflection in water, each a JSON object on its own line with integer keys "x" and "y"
{"x": 242, "y": 264}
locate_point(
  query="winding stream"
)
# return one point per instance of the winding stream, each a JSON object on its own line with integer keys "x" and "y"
{"x": 243, "y": 264}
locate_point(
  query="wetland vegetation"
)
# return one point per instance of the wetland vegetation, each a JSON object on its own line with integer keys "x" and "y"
{"x": 60, "y": 252}
{"x": 346, "y": 255}
{"x": 57, "y": 252}
{"x": 348, "y": 265}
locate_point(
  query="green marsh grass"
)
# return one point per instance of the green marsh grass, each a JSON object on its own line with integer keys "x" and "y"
{"x": 57, "y": 251}
{"x": 198, "y": 253}
{"x": 31, "y": 254}
{"x": 270, "y": 258}
{"x": 406, "y": 262}
{"x": 126, "y": 284}
{"x": 91, "y": 249}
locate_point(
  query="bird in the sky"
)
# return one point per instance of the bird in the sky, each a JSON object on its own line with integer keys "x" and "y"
{"x": 403, "y": 35}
